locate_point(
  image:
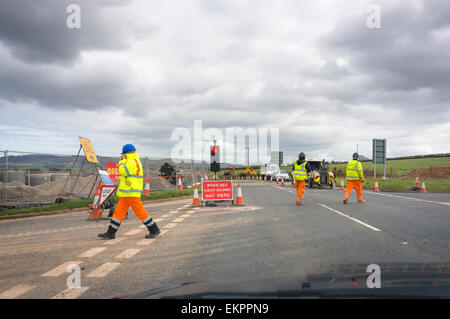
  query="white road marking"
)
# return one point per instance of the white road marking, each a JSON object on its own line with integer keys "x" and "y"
{"x": 170, "y": 225}
{"x": 113, "y": 241}
{"x": 174, "y": 212}
{"x": 354, "y": 219}
{"x": 70, "y": 293}
{"x": 133, "y": 232}
{"x": 165, "y": 215}
{"x": 410, "y": 198}
{"x": 145, "y": 242}
{"x": 92, "y": 252}
{"x": 103, "y": 270}
{"x": 185, "y": 215}
{"x": 126, "y": 254}
{"x": 163, "y": 231}
{"x": 178, "y": 220}
{"x": 15, "y": 292}
{"x": 61, "y": 269}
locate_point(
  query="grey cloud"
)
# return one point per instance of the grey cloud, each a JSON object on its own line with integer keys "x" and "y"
{"x": 36, "y": 31}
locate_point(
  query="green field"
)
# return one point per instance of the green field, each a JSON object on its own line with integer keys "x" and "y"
{"x": 402, "y": 167}
{"x": 403, "y": 185}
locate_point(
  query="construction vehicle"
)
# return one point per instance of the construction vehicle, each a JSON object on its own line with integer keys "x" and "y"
{"x": 318, "y": 176}
{"x": 229, "y": 172}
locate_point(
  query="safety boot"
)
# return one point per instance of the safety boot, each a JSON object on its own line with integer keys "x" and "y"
{"x": 298, "y": 201}
{"x": 107, "y": 235}
{"x": 154, "y": 231}
{"x": 361, "y": 200}
{"x": 345, "y": 201}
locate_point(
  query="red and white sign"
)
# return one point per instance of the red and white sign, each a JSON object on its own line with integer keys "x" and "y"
{"x": 113, "y": 171}
{"x": 217, "y": 190}
{"x": 105, "y": 192}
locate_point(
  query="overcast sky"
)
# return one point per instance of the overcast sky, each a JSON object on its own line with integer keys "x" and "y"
{"x": 136, "y": 70}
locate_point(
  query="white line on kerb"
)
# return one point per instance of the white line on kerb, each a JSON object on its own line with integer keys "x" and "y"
{"x": 354, "y": 219}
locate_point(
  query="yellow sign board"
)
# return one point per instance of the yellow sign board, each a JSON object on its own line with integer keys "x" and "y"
{"x": 88, "y": 150}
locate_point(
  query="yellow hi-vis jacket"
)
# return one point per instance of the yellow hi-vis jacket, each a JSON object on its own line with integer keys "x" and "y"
{"x": 354, "y": 171}
{"x": 131, "y": 176}
{"x": 300, "y": 173}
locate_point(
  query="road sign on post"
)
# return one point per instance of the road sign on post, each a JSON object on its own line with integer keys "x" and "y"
{"x": 378, "y": 155}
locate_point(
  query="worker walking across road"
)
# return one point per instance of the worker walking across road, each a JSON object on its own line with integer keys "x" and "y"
{"x": 354, "y": 177}
{"x": 300, "y": 171}
{"x": 129, "y": 193}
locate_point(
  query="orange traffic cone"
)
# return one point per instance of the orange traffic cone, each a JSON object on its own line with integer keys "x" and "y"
{"x": 423, "y": 189}
{"x": 96, "y": 210}
{"x": 282, "y": 181}
{"x": 180, "y": 185}
{"x": 342, "y": 187}
{"x": 146, "y": 191}
{"x": 417, "y": 183}
{"x": 376, "y": 189}
{"x": 195, "y": 200}
{"x": 278, "y": 181}
{"x": 239, "y": 198}
{"x": 206, "y": 176}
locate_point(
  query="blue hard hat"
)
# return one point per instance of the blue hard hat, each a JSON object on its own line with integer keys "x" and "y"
{"x": 128, "y": 147}
{"x": 355, "y": 155}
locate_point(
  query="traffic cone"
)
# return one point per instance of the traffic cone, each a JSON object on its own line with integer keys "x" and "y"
{"x": 376, "y": 189}
{"x": 180, "y": 185}
{"x": 206, "y": 176}
{"x": 96, "y": 210}
{"x": 417, "y": 183}
{"x": 271, "y": 179}
{"x": 423, "y": 189}
{"x": 239, "y": 198}
{"x": 282, "y": 181}
{"x": 146, "y": 191}
{"x": 342, "y": 187}
{"x": 195, "y": 200}
{"x": 278, "y": 181}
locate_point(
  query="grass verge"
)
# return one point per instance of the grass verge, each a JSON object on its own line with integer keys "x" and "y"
{"x": 83, "y": 203}
{"x": 404, "y": 185}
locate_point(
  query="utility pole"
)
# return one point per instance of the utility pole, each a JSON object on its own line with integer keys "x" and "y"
{"x": 5, "y": 179}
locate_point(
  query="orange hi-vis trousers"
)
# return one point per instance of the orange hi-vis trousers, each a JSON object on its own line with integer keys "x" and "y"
{"x": 300, "y": 189}
{"x": 125, "y": 203}
{"x": 358, "y": 187}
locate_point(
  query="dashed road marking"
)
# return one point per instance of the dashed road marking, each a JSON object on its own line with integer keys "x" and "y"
{"x": 354, "y": 219}
{"x": 70, "y": 293}
{"x": 113, "y": 241}
{"x": 126, "y": 254}
{"x": 163, "y": 231}
{"x": 61, "y": 269}
{"x": 178, "y": 220}
{"x": 15, "y": 292}
{"x": 185, "y": 215}
{"x": 145, "y": 242}
{"x": 133, "y": 232}
{"x": 103, "y": 270}
{"x": 92, "y": 252}
{"x": 170, "y": 225}
{"x": 165, "y": 215}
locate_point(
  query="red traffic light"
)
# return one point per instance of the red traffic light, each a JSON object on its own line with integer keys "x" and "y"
{"x": 214, "y": 151}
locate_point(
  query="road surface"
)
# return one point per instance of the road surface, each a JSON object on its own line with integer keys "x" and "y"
{"x": 268, "y": 237}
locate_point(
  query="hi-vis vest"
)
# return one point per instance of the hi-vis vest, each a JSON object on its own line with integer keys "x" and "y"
{"x": 130, "y": 169}
{"x": 300, "y": 172}
{"x": 354, "y": 171}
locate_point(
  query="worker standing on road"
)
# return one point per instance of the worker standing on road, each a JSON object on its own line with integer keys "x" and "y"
{"x": 300, "y": 171}
{"x": 129, "y": 193}
{"x": 354, "y": 177}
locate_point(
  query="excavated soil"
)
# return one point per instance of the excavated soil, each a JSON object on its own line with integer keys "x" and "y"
{"x": 431, "y": 172}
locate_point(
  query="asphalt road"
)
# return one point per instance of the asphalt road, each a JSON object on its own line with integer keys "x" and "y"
{"x": 268, "y": 237}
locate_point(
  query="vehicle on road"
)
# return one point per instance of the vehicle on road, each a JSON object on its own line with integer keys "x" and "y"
{"x": 281, "y": 175}
{"x": 319, "y": 176}
{"x": 268, "y": 170}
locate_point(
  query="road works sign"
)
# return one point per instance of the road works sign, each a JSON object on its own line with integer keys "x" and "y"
{"x": 88, "y": 150}
{"x": 113, "y": 171}
{"x": 105, "y": 177}
{"x": 105, "y": 192}
{"x": 217, "y": 190}
{"x": 379, "y": 151}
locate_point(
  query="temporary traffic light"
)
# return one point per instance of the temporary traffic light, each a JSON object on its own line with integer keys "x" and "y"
{"x": 215, "y": 158}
